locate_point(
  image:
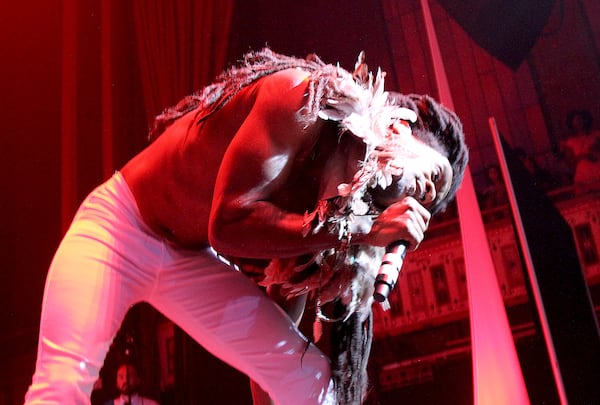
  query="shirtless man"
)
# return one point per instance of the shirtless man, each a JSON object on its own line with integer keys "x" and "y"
{"x": 283, "y": 159}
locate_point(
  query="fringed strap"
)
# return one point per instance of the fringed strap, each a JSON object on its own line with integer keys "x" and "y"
{"x": 350, "y": 349}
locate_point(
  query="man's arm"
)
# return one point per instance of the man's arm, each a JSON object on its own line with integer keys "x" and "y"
{"x": 257, "y": 167}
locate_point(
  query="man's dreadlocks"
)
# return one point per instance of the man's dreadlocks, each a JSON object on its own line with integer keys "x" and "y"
{"x": 254, "y": 66}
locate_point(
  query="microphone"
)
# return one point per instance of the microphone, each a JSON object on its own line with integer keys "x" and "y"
{"x": 389, "y": 270}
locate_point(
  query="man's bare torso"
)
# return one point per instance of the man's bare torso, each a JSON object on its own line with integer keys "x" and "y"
{"x": 173, "y": 179}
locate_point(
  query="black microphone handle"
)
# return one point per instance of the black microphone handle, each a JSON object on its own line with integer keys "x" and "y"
{"x": 389, "y": 270}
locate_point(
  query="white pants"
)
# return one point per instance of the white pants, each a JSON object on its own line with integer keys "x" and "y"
{"x": 110, "y": 260}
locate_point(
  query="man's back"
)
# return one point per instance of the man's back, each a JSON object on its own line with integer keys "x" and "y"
{"x": 254, "y": 144}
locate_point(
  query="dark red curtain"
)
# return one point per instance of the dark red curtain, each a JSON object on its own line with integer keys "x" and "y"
{"x": 507, "y": 29}
{"x": 181, "y": 46}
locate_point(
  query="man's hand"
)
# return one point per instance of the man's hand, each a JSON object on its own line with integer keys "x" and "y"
{"x": 405, "y": 220}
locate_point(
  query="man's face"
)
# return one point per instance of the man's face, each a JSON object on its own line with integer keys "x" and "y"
{"x": 127, "y": 379}
{"x": 419, "y": 171}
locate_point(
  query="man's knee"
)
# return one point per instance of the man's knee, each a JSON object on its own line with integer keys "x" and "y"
{"x": 309, "y": 381}
{"x": 61, "y": 383}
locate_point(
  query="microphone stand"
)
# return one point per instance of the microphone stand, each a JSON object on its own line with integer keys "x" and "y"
{"x": 128, "y": 362}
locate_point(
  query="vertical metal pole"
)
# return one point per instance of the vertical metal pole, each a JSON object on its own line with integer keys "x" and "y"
{"x": 497, "y": 375}
{"x": 68, "y": 138}
{"x": 535, "y": 289}
{"x": 107, "y": 132}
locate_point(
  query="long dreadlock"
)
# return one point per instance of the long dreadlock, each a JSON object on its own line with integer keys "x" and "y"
{"x": 254, "y": 66}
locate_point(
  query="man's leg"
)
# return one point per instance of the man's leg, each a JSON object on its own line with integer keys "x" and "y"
{"x": 294, "y": 307}
{"x": 95, "y": 277}
{"x": 232, "y": 318}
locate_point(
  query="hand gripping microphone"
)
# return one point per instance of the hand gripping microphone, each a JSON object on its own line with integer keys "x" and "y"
{"x": 389, "y": 270}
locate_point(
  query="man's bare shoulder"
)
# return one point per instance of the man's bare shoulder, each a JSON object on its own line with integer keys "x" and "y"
{"x": 287, "y": 79}
{"x": 278, "y": 101}
{"x": 284, "y": 89}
